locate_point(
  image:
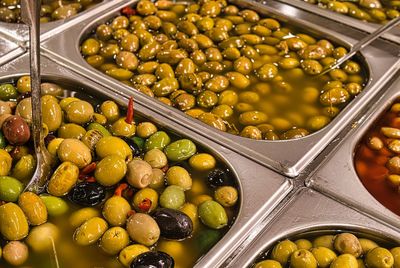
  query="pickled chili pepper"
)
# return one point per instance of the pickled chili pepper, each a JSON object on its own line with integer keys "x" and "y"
{"x": 145, "y": 205}
{"x": 118, "y": 191}
{"x": 88, "y": 169}
{"x": 129, "y": 112}
{"x": 128, "y": 11}
{"x": 131, "y": 212}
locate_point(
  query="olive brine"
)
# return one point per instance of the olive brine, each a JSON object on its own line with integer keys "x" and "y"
{"x": 341, "y": 250}
{"x": 51, "y": 10}
{"x": 376, "y": 11}
{"x": 228, "y": 67}
{"x": 123, "y": 194}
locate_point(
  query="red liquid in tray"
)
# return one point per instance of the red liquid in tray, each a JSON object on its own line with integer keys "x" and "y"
{"x": 371, "y": 164}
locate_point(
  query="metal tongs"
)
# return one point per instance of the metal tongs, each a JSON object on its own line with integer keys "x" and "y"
{"x": 30, "y": 13}
{"x": 363, "y": 43}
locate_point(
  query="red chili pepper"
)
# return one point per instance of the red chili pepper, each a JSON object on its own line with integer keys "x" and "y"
{"x": 120, "y": 188}
{"x": 131, "y": 212}
{"x": 88, "y": 169}
{"x": 91, "y": 179}
{"x": 128, "y": 11}
{"x": 145, "y": 205}
{"x": 129, "y": 112}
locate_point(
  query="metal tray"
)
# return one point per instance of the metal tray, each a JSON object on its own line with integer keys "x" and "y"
{"x": 288, "y": 157}
{"x": 9, "y": 50}
{"x": 309, "y": 211}
{"x": 337, "y": 176}
{"x": 392, "y": 35}
{"x": 255, "y": 205}
{"x": 18, "y": 32}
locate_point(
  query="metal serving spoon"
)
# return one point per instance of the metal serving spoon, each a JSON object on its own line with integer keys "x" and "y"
{"x": 363, "y": 43}
{"x": 30, "y": 12}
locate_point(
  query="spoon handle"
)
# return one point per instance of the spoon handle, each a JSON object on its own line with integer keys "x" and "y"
{"x": 363, "y": 43}
{"x": 30, "y": 12}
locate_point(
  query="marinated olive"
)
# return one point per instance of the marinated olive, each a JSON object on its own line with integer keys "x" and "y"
{"x": 90, "y": 231}
{"x": 114, "y": 240}
{"x": 14, "y": 225}
{"x": 10, "y": 188}
{"x": 55, "y": 206}
{"x": 172, "y": 197}
{"x": 110, "y": 170}
{"x": 115, "y": 210}
{"x": 15, "y": 253}
{"x": 173, "y": 223}
{"x": 87, "y": 194}
{"x": 213, "y": 214}
{"x": 43, "y": 237}
{"x": 143, "y": 229}
{"x": 156, "y": 259}
{"x": 33, "y": 207}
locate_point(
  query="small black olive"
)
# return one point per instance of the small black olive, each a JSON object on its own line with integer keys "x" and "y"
{"x": 173, "y": 224}
{"x": 218, "y": 177}
{"x": 87, "y": 194}
{"x": 153, "y": 259}
{"x": 134, "y": 147}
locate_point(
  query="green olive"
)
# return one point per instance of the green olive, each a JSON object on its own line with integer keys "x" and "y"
{"x": 128, "y": 254}
{"x": 268, "y": 264}
{"x": 324, "y": 241}
{"x": 90, "y": 231}
{"x": 78, "y": 217}
{"x": 180, "y": 150}
{"x": 114, "y": 240}
{"x": 212, "y": 214}
{"x": 179, "y": 176}
{"x": 367, "y": 245}
{"x": 145, "y": 195}
{"x": 43, "y": 237}
{"x": 24, "y": 168}
{"x": 324, "y": 256}
{"x": 238, "y": 80}
{"x": 6, "y": 162}
{"x": 14, "y": 225}
{"x": 156, "y": 158}
{"x": 55, "y": 205}
{"x": 303, "y": 244}
{"x": 334, "y": 96}
{"x": 63, "y": 179}
{"x": 396, "y": 256}
{"x": 158, "y": 140}
{"x": 207, "y": 99}
{"x": 252, "y": 118}
{"x": 71, "y": 131}
{"x": 227, "y": 196}
{"x": 33, "y": 207}
{"x": 110, "y": 170}
{"x": 303, "y": 258}
{"x": 115, "y": 210}
{"x": 344, "y": 261}
{"x": 173, "y": 197}
{"x": 379, "y": 257}
{"x": 119, "y": 147}
{"x": 74, "y": 151}
{"x": 282, "y": 251}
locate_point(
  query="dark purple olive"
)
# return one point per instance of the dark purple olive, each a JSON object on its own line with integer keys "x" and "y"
{"x": 173, "y": 224}
{"x": 153, "y": 259}
{"x": 218, "y": 177}
{"x": 134, "y": 147}
{"x": 16, "y": 130}
{"x": 88, "y": 194}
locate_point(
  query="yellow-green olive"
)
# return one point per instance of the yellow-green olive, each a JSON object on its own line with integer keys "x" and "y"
{"x": 78, "y": 217}
{"x": 110, "y": 110}
{"x": 128, "y": 254}
{"x": 14, "y": 225}
{"x": 115, "y": 210}
{"x": 63, "y": 179}
{"x": 145, "y": 195}
{"x": 110, "y": 170}
{"x": 114, "y": 240}
{"x": 74, "y": 151}
{"x": 5, "y": 162}
{"x": 253, "y": 118}
{"x": 143, "y": 229}
{"x": 51, "y": 112}
{"x": 179, "y": 176}
{"x": 251, "y": 132}
{"x": 43, "y": 237}
{"x": 33, "y": 207}
{"x": 146, "y": 129}
{"x": 111, "y": 145}
{"x": 122, "y": 128}
{"x": 90, "y": 231}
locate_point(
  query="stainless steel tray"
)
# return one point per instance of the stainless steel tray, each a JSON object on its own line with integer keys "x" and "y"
{"x": 337, "y": 176}
{"x": 260, "y": 188}
{"x": 310, "y": 211}
{"x": 288, "y": 157}
{"x": 9, "y": 50}
{"x": 393, "y": 35}
{"x": 19, "y": 32}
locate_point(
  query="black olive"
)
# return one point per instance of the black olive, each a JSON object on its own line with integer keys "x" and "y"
{"x": 153, "y": 259}
{"x": 134, "y": 147}
{"x": 218, "y": 177}
{"x": 173, "y": 224}
{"x": 88, "y": 194}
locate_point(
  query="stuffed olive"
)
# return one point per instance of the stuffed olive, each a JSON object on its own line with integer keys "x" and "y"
{"x": 230, "y": 68}
{"x": 116, "y": 197}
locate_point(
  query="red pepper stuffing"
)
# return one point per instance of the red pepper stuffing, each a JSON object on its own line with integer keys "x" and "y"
{"x": 120, "y": 189}
{"x": 145, "y": 205}
{"x": 128, "y": 11}
{"x": 131, "y": 212}
{"x": 88, "y": 169}
{"x": 129, "y": 112}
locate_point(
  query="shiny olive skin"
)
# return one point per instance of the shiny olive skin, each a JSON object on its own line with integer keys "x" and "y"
{"x": 33, "y": 207}
{"x": 14, "y": 225}
{"x": 173, "y": 223}
{"x": 143, "y": 229}
{"x": 156, "y": 259}
{"x": 16, "y": 130}
{"x": 114, "y": 240}
{"x": 42, "y": 237}
{"x": 10, "y": 188}
{"x": 90, "y": 231}
{"x": 213, "y": 214}
{"x": 110, "y": 170}
{"x": 63, "y": 179}
{"x": 115, "y": 210}
{"x": 87, "y": 194}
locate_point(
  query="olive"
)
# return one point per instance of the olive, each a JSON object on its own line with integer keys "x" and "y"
{"x": 33, "y": 207}
{"x": 75, "y": 151}
{"x": 154, "y": 259}
{"x": 5, "y": 162}
{"x": 173, "y": 224}
{"x": 13, "y": 223}
{"x": 303, "y": 244}
{"x": 80, "y": 216}
{"x": 42, "y": 238}
{"x": 172, "y": 197}
{"x": 114, "y": 240}
{"x": 87, "y": 194}
{"x": 24, "y": 168}
{"x": 180, "y": 150}
{"x": 55, "y": 206}
{"x": 324, "y": 241}
{"x": 367, "y": 245}
{"x": 227, "y": 196}
{"x": 145, "y": 200}
{"x": 10, "y": 188}
{"x": 324, "y": 256}
{"x": 63, "y": 179}
{"x": 303, "y": 258}
{"x": 379, "y": 257}
{"x": 8, "y": 91}
{"x": 139, "y": 173}
{"x": 115, "y": 210}
{"x": 396, "y": 254}
{"x": 218, "y": 177}
{"x": 128, "y": 254}
{"x": 90, "y": 231}
{"x": 156, "y": 158}
{"x": 16, "y": 130}
{"x": 143, "y": 229}
{"x": 119, "y": 147}
{"x": 282, "y": 251}
{"x": 202, "y": 161}
{"x": 268, "y": 264}
{"x": 110, "y": 170}
{"x": 348, "y": 243}
{"x": 145, "y": 129}
{"x": 213, "y": 214}
{"x": 15, "y": 253}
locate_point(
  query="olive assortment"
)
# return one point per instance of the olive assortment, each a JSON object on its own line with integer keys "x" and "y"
{"x": 128, "y": 193}
{"x": 51, "y": 10}
{"x": 337, "y": 250}
{"x": 377, "y": 158}
{"x": 375, "y": 11}
{"x": 228, "y": 67}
